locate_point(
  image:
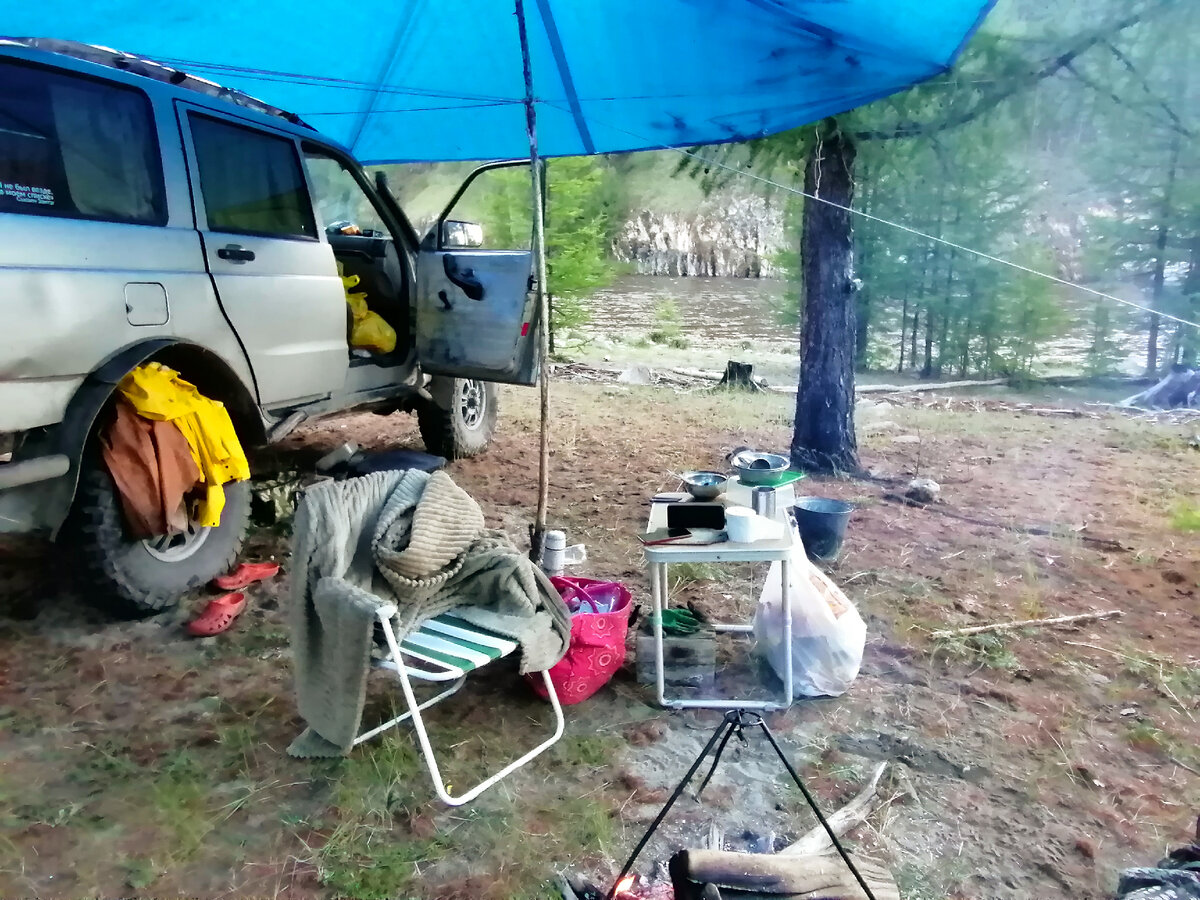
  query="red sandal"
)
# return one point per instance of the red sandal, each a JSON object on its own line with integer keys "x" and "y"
{"x": 245, "y": 575}
{"x": 218, "y": 615}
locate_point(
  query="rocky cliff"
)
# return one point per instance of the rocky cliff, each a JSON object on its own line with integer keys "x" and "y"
{"x": 725, "y": 237}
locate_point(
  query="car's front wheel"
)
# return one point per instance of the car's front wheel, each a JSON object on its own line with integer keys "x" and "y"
{"x": 140, "y": 577}
{"x": 461, "y": 419}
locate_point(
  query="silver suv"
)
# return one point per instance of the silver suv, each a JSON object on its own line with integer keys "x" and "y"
{"x": 148, "y": 215}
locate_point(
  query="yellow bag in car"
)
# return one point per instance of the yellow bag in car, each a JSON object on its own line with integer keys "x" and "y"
{"x": 368, "y": 330}
{"x": 158, "y": 393}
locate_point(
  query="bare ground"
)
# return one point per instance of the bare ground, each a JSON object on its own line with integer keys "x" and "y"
{"x": 135, "y": 760}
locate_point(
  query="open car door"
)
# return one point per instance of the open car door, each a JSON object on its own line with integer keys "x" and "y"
{"x": 476, "y": 311}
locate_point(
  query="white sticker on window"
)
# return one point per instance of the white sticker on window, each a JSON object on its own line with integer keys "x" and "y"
{"x": 24, "y": 193}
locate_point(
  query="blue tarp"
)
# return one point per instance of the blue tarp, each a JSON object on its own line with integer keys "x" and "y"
{"x": 412, "y": 80}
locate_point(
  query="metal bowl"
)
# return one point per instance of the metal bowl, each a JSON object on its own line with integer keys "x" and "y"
{"x": 755, "y": 468}
{"x": 704, "y": 485}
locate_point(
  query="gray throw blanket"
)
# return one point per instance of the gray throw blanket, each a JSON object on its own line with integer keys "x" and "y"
{"x": 418, "y": 541}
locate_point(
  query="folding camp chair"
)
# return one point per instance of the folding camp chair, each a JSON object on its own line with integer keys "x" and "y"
{"x": 447, "y": 648}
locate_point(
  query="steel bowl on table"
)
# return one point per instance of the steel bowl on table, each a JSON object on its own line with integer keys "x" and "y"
{"x": 704, "y": 485}
{"x": 756, "y": 468}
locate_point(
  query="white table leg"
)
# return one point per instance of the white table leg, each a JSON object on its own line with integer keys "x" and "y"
{"x": 658, "y": 594}
{"x": 784, "y": 566}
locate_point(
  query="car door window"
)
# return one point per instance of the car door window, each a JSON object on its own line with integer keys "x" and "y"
{"x": 77, "y": 147}
{"x": 494, "y": 212}
{"x": 342, "y": 204}
{"x": 251, "y": 181}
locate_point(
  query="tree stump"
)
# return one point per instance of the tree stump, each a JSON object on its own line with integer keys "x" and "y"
{"x": 739, "y": 375}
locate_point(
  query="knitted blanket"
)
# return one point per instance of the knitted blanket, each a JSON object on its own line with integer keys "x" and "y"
{"x": 417, "y": 541}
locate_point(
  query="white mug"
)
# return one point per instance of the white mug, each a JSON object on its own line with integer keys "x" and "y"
{"x": 739, "y": 524}
{"x": 744, "y": 526}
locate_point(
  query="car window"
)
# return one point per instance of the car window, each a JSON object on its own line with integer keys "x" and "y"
{"x": 251, "y": 182}
{"x": 340, "y": 199}
{"x": 78, "y": 147}
{"x": 495, "y": 212}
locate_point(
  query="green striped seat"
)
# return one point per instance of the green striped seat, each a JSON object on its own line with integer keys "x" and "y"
{"x": 453, "y": 645}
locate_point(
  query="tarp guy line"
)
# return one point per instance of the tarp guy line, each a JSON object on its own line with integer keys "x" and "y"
{"x": 913, "y": 231}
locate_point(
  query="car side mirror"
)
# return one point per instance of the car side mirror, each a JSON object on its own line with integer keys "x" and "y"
{"x": 461, "y": 235}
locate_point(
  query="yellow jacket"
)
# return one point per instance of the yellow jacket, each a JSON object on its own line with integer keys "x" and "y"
{"x": 158, "y": 393}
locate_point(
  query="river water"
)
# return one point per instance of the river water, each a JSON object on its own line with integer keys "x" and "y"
{"x": 725, "y": 310}
{"x": 748, "y": 309}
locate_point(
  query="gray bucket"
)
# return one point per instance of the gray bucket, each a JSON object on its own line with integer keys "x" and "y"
{"x": 822, "y": 525}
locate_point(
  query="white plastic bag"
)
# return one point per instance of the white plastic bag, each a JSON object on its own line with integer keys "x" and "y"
{"x": 828, "y": 634}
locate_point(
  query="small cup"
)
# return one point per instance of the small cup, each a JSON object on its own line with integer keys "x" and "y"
{"x": 763, "y": 500}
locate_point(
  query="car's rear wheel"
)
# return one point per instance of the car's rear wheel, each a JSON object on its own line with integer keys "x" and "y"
{"x": 140, "y": 577}
{"x": 461, "y": 419}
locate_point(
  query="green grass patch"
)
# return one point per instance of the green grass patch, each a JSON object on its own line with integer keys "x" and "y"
{"x": 1185, "y": 517}
{"x": 692, "y": 572}
{"x": 937, "y": 881}
{"x": 1147, "y": 735}
{"x": 1170, "y": 676}
{"x": 989, "y": 650}
{"x": 181, "y": 797}
{"x": 140, "y": 873}
{"x": 18, "y": 722}
{"x": 590, "y": 751}
{"x": 366, "y": 854}
{"x": 366, "y": 862}
{"x": 106, "y": 761}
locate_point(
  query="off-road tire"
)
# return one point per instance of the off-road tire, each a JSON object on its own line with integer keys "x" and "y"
{"x": 459, "y": 430}
{"x": 120, "y": 572}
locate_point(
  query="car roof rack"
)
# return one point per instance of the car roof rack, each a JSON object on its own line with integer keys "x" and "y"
{"x": 148, "y": 68}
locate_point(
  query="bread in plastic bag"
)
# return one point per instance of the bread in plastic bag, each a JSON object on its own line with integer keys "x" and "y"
{"x": 828, "y": 634}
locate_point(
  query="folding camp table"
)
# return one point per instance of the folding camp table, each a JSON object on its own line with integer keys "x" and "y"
{"x": 660, "y": 556}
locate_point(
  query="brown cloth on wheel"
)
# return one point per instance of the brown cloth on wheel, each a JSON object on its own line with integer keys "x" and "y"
{"x": 152, "y": 467}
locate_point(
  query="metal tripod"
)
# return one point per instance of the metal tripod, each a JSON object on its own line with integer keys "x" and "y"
{"x": 735, "y": 722}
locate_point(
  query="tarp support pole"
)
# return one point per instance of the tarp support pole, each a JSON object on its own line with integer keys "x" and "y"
{"x": 538, "y": 537}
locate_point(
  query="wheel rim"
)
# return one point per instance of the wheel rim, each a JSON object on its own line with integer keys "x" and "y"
{"x": 472, "y": 404}
{"x": 172, "y": 548}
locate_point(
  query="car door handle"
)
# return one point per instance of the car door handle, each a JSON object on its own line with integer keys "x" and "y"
{"x": 464, "y": 278}
{"x": 235, "y": 253}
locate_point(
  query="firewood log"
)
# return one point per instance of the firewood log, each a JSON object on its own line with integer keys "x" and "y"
{"x": 756, "y": 875}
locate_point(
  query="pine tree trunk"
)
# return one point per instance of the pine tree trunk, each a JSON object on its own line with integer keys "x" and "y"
{"x": 948, "y": 299}
{"x": 935, "y": 257}
{"x": 823, "y": 438}
{"x": 903, "y": 327}
{"x": 927, "y": 369}
{"x": 1191, "y": 290}
{"x": 912, "y": 356}
{"x": 1162, "y": 237}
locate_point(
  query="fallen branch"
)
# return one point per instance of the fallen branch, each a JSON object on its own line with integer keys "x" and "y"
{"x": 1029, "y": 623}
{"x": 1184, "y": 765}
{"x": 1036, "y": 530}
{"x": 697, "y": 373}
{"x": 842, "y": 821}
{"x": 920, "y": 388}
{"x": 1056, "y": 411}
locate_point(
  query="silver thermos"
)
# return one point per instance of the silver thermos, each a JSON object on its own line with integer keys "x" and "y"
{"x": 553, "y": 552}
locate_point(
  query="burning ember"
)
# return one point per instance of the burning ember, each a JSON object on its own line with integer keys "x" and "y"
{"x": 625, "y": 888}
{"x": 632, "y": 887}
